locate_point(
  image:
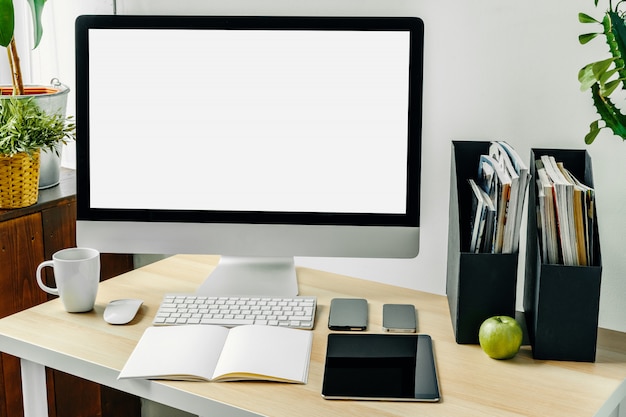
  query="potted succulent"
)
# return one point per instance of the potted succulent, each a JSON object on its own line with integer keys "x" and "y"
{"x": 50, "y": 99}
{"x": 606, "y": 78}
{"x": 25, "y": 130}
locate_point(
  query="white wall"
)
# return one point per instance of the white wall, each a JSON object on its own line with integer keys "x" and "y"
{"x": 494, "y": 69}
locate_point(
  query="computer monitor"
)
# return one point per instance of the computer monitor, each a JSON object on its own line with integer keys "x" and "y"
{"x": 254, "y": 138}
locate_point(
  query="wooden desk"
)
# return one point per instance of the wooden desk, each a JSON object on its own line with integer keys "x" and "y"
{"x": 471, "y": 382}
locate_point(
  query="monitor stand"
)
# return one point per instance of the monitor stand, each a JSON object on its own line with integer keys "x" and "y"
{"x": 252, "y": 276}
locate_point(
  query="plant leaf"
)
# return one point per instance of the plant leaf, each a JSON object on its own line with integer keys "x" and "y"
{"x": 593, "y": 133}
{"x": 608, "y": 88}
{"x": 585, "y": 38}
{"x": 601, "y": 67}
{"x": 606, "y": 76}
{"x": 25, "y": 127}
{"x": 585, "y": 18}
{"x": 7, "y": 22}
{"x": 586, "y": 77}
{"x": 36, "y": 8}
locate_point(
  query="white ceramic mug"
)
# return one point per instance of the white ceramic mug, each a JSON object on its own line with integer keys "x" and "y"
{"x": 77, "y": 275}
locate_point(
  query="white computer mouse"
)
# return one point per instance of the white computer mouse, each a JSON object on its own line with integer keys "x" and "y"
{"x": 121, "y": 311}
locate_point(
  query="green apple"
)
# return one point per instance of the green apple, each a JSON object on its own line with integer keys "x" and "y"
{"x": 500, "y": 337}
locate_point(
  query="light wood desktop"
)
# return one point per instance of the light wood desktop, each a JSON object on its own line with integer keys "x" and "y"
{"x": 471, "y": 383}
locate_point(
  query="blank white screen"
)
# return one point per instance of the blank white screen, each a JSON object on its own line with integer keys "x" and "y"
{"x": 284, "y": 121}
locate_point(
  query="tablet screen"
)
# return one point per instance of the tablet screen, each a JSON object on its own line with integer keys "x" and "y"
{"x": 380, "y": 367}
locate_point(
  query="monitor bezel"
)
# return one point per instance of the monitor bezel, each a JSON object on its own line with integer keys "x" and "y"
{"x": 411, "y": 24}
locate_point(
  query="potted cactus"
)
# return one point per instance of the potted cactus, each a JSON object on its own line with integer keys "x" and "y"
{"x": 17, "y": 99}
{"x": 606, "y": 79}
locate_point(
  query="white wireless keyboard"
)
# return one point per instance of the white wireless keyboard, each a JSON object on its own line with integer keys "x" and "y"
{"x": 178, "y": 309}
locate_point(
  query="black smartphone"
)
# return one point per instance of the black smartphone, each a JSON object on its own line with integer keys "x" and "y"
{"x": 399, "y": 318}
{"x": 348, "y": 314}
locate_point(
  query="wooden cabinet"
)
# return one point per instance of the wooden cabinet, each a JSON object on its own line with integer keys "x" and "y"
{"x": 28, "y": 236}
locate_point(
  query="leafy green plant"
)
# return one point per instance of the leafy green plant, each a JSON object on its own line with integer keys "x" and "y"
{"x": 605, "y": 77}
{"x": 7, "y": 29}
{"x": 24, "y": 127}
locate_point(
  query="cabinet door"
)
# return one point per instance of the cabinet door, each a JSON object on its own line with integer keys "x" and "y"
{"x": 21, "y": 252}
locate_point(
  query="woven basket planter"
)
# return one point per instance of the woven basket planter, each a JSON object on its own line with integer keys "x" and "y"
{"x": 51, "y": 99}
{"x": 19, "y": 180}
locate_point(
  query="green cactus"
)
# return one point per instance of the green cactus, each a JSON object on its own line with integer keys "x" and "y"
{"x": 604, "y": 77}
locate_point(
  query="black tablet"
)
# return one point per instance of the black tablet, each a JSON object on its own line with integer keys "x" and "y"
{"x": 380, "y": 367}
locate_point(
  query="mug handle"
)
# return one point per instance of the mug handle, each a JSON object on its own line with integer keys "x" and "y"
{"x": 49, "y": 290}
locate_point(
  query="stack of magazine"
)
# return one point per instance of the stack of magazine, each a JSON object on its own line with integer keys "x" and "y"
{"x": 498, "y": 200}
{"x": 565, "y": 215}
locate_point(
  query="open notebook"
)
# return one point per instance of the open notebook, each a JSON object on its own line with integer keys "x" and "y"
{"x": 215, "y": 353}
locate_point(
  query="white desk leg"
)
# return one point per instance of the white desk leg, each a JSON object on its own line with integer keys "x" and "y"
{"x": 34, "y": 389}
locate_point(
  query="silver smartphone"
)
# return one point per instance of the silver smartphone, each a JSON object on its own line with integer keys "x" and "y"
{"x": 348, "y": 314}
{"x": 399, "y": 318}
